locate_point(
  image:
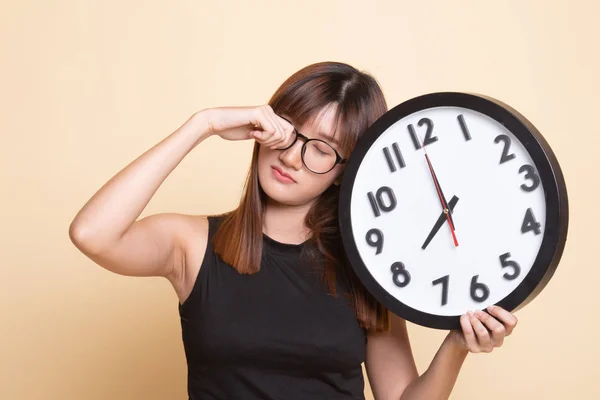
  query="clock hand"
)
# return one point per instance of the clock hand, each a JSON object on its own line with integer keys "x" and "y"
{"x": 441, "y": 197}
{"x": 440, "y": 221}
{"x": 443, "y": 201}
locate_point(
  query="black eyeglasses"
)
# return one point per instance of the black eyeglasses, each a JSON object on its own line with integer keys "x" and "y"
{"x": 317, "y": 155}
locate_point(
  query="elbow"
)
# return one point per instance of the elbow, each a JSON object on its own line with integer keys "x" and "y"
{"x": 77, "y": 234}
{"x": 82, "y": 238}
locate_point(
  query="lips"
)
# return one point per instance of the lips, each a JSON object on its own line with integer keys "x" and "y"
{"x": 283, "y": 173}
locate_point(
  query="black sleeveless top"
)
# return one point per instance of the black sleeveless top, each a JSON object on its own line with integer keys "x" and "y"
{"x": 276, "y": 334}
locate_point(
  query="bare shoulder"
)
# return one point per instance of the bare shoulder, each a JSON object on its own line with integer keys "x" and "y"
{"x": 194, "y": 239}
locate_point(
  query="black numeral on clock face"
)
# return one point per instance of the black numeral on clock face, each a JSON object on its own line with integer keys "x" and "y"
{"x": 506, "y": 156}
{"x": 444, "y": 280}
{"x": 375, "y": 239}
{"x": 529, "y": 175}
{"x": 428, "y": 134}
{"x": 400, "y": 275}
{"x": 530, "y": 223}
{"x": 397, "y": 154}
{"x": 479, "y": 291}
{"x": 506, "y": 263}
{"x": 377, "y": 201}
{"x": 463, "y": 127}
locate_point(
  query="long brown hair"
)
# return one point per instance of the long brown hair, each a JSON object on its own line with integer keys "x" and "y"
{"x": 359, "y": 102}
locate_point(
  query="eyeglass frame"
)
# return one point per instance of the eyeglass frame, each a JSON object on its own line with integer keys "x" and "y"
{"x": 338, "y": 159}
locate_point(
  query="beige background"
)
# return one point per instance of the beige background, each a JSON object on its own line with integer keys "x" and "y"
{"x": 87, "y": 86}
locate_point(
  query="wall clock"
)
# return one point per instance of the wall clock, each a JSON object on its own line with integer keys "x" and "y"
{"x": 452, "y": 202}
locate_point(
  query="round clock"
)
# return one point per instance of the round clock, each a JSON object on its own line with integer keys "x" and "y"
{"x": 453, "y": 202}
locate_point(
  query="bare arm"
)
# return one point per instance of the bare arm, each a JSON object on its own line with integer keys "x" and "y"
{"x": 105, "y": 229}
{"x": 393, "y": 373}
{"x": 439, "y": 379}
{"x": 390, "y": 364}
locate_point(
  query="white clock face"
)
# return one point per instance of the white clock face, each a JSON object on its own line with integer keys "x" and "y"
{"x": 498, "y": 216}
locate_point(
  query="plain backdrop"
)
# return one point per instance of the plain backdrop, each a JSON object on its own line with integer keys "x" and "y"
{"x": 86, "y": 86}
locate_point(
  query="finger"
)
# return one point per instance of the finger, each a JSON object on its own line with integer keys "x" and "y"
{"x": 288, "y": 131}
{"x": 265, "y": 127}
{"x": 505, "y": 317}
{"x": 285, "y": 129}
{"x": 468, "y": 333}
{"x": 493, "y": 326}
{"x": 278, "y": 134}
{"x": 483, "y": 337}
{"x": 262, "y": 131}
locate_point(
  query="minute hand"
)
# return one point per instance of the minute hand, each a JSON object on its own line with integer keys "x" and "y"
{"x": 439, "y": 189}
{"x": 442, "y": 199}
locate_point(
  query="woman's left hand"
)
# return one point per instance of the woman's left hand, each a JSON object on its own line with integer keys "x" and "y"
{"x": 481, "y": 332}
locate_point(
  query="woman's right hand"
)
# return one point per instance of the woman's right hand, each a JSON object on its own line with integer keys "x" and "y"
{"x": 241, "y": 123}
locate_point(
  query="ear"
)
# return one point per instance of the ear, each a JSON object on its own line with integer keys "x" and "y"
{"x": 338, "y": 180}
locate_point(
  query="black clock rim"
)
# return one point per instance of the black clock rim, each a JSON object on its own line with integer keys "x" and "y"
{"x": 556, "y": 224}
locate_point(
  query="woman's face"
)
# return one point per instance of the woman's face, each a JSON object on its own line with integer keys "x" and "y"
{"x": 306, "y": 185}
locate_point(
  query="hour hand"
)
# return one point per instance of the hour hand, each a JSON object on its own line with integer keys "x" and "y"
{"x": 443, "y": 218}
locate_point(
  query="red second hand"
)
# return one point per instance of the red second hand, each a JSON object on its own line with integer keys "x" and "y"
{"x": 439, "y": 192}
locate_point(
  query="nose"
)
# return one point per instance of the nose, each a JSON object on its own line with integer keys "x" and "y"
{"x": 292, "y": 157}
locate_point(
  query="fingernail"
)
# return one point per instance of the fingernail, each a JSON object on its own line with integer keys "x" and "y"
{"x": 470, "y": 313}
{"x": 491, "y": 308}
{"x": 479, "y": 313}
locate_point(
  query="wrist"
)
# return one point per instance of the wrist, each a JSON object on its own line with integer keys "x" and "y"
{"x": 454, "y": 345}
{"x": 201, "y": 126}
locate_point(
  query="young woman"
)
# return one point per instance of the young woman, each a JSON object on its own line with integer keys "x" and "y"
{"x": 269, "y": 306}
